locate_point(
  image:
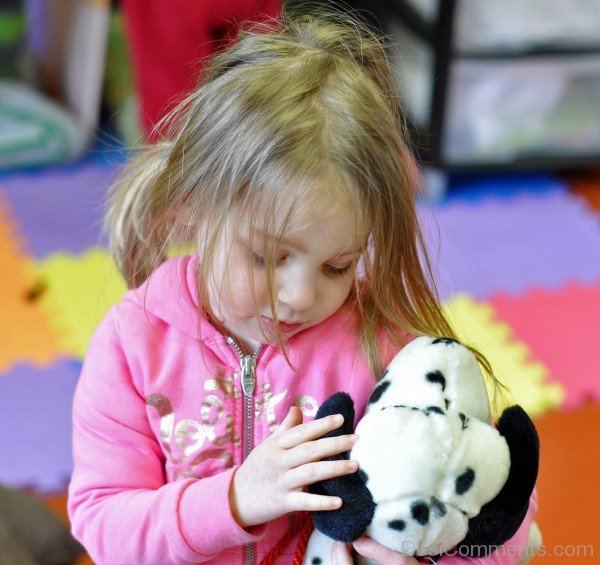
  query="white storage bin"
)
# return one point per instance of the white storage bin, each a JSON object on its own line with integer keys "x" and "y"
{"x": 412, "y": 64}
{"x": 501, "y": 110}
{"x": 514, "y": 25}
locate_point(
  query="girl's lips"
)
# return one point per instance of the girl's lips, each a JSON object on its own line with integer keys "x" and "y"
{"x": 285, "y": 328}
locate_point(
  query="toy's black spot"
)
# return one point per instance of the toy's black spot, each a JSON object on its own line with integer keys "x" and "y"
{"x": 436, "y": 377}
{"x": 384, "y": 374}
{"x": 446, "y": 340}
{"x": 397, "y": 525}
{"x": 435, "y": 409}
{"x": 464, "y": 481}
{"x": 420, "y": 512}
{"x": 464, "y": 420}
{"x": 316, "y": 561}
{"x": 438, "y": 506}
{"x": 362, "y": 475}
{"x": 447, "y": 402}
{"x": 379, "y": 390}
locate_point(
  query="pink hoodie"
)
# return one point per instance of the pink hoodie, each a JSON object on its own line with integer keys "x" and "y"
{"x": 159, "y": 418}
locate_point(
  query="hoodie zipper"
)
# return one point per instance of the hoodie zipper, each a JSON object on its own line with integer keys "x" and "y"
{"x": 248, "y": 378}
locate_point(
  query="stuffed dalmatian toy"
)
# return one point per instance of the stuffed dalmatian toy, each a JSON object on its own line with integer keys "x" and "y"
{"x": 434, "y": 475}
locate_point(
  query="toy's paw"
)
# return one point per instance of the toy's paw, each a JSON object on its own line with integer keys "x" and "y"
{"x": 499, "y": 520}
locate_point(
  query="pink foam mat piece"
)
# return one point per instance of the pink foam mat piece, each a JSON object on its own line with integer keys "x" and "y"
{"x": 513, "y": 244}
{"x": 562, "y": 329}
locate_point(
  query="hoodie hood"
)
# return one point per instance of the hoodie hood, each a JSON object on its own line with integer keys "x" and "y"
{"x": 170, "y": 294}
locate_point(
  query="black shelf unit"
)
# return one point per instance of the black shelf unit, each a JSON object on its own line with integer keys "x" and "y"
{"x": 438, "y": 36}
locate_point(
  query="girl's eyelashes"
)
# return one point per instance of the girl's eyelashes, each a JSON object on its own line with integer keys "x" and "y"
{"x": 328, "y": 269}
{"x": 337, "y": 271}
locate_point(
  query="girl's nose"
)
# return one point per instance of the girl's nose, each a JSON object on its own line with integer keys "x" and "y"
{"x": 297, "y": 292}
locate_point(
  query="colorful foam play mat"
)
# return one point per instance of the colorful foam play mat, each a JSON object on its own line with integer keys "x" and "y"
{"x": 517, "y": 261}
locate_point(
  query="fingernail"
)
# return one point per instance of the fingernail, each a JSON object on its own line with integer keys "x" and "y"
{"x": 338, "y": 418}
{"x": 335, "y": 550}
{"x": 338, "y": 550}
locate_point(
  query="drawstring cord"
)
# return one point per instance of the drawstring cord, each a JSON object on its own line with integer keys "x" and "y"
{"x": 302, "y": 524}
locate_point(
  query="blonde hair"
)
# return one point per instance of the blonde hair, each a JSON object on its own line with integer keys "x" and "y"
{"x": 306, "y": 98}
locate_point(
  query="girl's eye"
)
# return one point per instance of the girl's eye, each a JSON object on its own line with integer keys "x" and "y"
{"x": 337, "y": 271}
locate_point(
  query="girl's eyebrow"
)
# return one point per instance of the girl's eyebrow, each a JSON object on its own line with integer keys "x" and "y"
{"x": 345, "y": 254}
{"x": 299, "y": 247}
{"x": 283, "y": 240}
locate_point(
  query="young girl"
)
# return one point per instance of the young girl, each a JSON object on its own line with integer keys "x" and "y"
{"x": 289, "y": 170}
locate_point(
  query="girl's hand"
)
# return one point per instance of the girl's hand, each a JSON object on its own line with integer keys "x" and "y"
{"x": 368, "y": 547}
{"x": 270, "y": 481}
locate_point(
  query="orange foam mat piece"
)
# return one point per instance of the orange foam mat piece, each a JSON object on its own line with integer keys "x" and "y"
{"x": 568, "y": 485}
{"x": 586, "y": 183}
{"x": 24, "y": 327}
{"x": 591, "y": 193}
{"x": 562, "y": 329}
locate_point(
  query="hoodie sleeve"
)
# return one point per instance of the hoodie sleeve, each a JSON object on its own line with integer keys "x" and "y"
{"x": 121, "y": 507}
{"x": 516, "y": 550}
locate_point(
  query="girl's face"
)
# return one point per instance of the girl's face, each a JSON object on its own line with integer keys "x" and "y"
{"x": 313, "y": 276}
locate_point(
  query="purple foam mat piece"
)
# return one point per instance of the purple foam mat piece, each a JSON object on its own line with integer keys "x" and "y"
{"x": 60, "y": 209}
{"x": 511, "y": 245}
{"x": 36, "y": 426}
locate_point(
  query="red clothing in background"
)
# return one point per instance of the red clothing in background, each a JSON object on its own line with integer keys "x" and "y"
{"x": 169, "y": 40}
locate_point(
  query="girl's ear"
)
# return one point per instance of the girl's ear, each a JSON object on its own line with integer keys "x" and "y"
{"x": 348, "y": 522}
{"x": 338, "y": 403}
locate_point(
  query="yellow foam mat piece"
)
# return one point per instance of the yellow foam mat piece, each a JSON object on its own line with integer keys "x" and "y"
{"x": 27, "y": 335}
{"x": 79, "y": 291}
{"x": 478, "y": 325}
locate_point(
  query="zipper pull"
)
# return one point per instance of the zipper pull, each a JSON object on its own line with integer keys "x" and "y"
{"x": 248, "y": 365}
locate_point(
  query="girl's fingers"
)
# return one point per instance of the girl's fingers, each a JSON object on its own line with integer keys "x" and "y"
{"x": 318, "y": 471}
{"x": 340, "y": 554}
{"x": 316, "y": 450}
{"x": 293, "y": 418}
{"x": 309, "y": 431}
{"x": 299, "y": 501}
{"x": 368, "y": 547}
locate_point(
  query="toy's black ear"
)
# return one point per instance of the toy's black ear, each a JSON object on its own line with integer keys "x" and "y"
{"x": 338, "y": 403}
{"x": 348, "y": 522}
{"x": 500, "y": 518}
